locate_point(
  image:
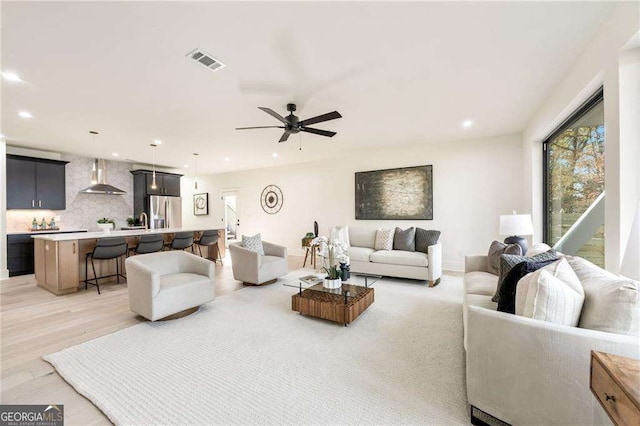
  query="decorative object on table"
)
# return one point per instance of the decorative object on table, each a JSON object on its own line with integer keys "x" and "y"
{"x": 404, "y": 193}
{"x": 201, "y": 204}
{"x": 333, "y": 253}
{"x": 106, "y": 224}
{"x": 34, "y": 225}
{"x": 516, "y": 225}
{"x": 43, "y": 224}
{"x": 293, "y": 124}
{"x": 52, "y": 224}
{"x": 271, "y": 199}
{"x": 315, "y": 228}
{"x": 311, "y": 279}
{"x": 345, "y": 270}
{"x": 631, "y": 260}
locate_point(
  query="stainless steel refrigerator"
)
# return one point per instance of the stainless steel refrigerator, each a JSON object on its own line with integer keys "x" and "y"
{"x": 165, "y": 212}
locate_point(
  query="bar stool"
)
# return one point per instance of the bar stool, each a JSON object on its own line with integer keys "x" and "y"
{"x": 105, "y": 249}
{"x": 148, "y": 244}
{"x": 210, "y": 239}
{"x": 181, "y": 241}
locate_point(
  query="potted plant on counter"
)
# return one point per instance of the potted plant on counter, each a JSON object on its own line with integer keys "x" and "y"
{"x": 106, "y": 224}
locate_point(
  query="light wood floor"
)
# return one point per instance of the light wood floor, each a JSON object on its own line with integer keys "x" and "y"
{"x": 35, "y": 322}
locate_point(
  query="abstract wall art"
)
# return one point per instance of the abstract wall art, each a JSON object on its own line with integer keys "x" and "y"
{"x": 393, "y": 194}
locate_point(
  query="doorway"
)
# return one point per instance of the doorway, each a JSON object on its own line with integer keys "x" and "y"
{"x": 231, "y": 215}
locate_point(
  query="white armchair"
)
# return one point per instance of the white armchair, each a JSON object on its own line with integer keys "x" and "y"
{"x": 254, "y": 269}
{"x": 167, "y": 283}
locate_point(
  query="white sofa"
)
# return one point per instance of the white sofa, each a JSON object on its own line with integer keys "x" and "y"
{"x": 166, "y": 283}
{"x": 395, "y": 263}
{"x": 525, "y": 371}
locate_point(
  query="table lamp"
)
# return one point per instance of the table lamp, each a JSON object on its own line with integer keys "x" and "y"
{"x": 516, "y": 225}
{"x": 631, "y": 261}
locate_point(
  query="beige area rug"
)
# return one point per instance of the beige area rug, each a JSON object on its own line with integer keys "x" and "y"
{"x": 246, "y": 358}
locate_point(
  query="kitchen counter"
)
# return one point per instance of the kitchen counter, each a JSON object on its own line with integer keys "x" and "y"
{"x": 99, "y": 234}
{"x": 60, "y": 258}
{"x": 48, "y": 231}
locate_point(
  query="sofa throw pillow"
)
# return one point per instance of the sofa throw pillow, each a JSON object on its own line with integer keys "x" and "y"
{"x": 553, "y": 294}
{"x": 537, "y": 248}
{"x": 426, "y": 238}
{"x": 384, "y": 239}
{"x": 341, "y": 233}
{"x": 612, "y": 302}
{"x": 253, "y": 243}
{"x": 404, "y": 240}
{"x": 508, "y": 261}
{"x": 497, "y": 249}
{"x": 507, "y": 295}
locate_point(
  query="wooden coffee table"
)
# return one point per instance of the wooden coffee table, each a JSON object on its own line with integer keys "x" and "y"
{"x": 342, "y": 305}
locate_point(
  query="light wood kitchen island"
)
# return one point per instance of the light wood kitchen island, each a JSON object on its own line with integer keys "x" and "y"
{"x": 60, "y": 258}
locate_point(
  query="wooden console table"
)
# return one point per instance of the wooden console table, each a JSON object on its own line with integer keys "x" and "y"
{"x": 615, "y": 381}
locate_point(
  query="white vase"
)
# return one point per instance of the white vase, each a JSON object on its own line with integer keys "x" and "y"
{"x": 105, "y": 227}
{"x": 329, "y": 283}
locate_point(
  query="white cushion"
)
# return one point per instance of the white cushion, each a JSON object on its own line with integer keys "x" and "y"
{"x": 362, "y": 237}
{"x": 360, "y": 254}
{"x": 399, "y": 257}
{"x": 537, "y": 248}
{"x": 341, "y": 233}
{"x": 612, "y": 302}
{"x": 384, "y": 239}
{"x": 253, "y": 244}
{"x": 480, "y": 282}
{"x": 552, "y": 294}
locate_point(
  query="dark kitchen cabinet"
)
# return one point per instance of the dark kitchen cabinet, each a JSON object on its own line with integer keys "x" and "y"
{"x": 20, "y": 253}
{"x": 167, "y": 184}
{"x": 35, "y": 183}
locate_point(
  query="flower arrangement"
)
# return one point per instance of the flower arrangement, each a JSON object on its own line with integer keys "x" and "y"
{"x": 333, "y": 253}
{"x": 105, "y": 220}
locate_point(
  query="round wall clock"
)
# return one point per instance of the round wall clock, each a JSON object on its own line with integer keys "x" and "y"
{"x": 271, "y": 199}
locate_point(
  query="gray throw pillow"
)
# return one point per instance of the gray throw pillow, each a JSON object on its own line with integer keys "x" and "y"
{"x": 405, "y": 240}
{"x": 426, "y": 238}
{"x": 496, "y": 249}
{"x": 509, "y": 261}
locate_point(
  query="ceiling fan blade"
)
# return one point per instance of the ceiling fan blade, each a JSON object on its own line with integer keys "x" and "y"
{"x": 260, "y": 127}
{"x": 274, "y": 114}
{"x": 319, "y": 119}
{"x": 284, "y": 137}
{"x": 318, "y": 132}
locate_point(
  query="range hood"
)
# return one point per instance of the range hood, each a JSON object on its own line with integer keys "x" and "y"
{"x": 102, "y": 187}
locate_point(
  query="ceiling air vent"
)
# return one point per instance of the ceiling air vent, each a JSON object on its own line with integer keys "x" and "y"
{"x": 205, "y": 59}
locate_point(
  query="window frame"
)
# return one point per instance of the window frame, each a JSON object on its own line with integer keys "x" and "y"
{"x": 582, "y": 110}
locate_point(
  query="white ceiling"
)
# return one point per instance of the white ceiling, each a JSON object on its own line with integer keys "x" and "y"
{"x": 399, "y": 73}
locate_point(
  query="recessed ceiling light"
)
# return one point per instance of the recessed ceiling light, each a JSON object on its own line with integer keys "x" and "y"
{"x": 158, "y": 142}
{"x": 186, "y": 166}
{"x": 226, "y": 159}
{"x": 7, "y": 75}
{"x": 274, "y": 155}
{"x": 25, "y": 114}
{"x": 467, "y": 123}
{"x": 115, "y": 154}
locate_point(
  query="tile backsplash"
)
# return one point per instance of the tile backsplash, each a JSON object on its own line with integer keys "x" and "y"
{"x": 83, "y": 210}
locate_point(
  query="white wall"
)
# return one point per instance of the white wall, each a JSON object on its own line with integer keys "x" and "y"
{"x": 474, "y": 181}
{"x": 598, "y": 65}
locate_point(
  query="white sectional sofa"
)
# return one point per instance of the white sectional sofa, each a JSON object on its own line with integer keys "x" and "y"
{"x": 525, "y": 371}
{"x": 395, "y": 263}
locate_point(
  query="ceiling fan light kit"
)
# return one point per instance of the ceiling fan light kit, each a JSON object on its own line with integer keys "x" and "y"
{"x": 292, "y": 124}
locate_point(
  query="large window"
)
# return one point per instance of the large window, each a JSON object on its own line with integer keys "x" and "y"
{"x": 574, "y": 183}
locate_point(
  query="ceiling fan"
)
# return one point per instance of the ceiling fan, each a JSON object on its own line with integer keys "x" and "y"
{"x": 292, "y": 124}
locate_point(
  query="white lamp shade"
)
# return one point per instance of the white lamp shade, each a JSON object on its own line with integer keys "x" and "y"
{"x": 516, "y": 224}
{"x": 631, "y": 261}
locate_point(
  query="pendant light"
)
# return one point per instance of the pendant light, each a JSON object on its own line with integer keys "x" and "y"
{"x": 153, "y": 180}
{"x": 195, "y": 154}
{"x": 94, "y": 168}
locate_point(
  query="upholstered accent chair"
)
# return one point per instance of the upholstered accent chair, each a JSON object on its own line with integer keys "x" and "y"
{"x": 169, "y": 284}
{"x": 255, "y": 269}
